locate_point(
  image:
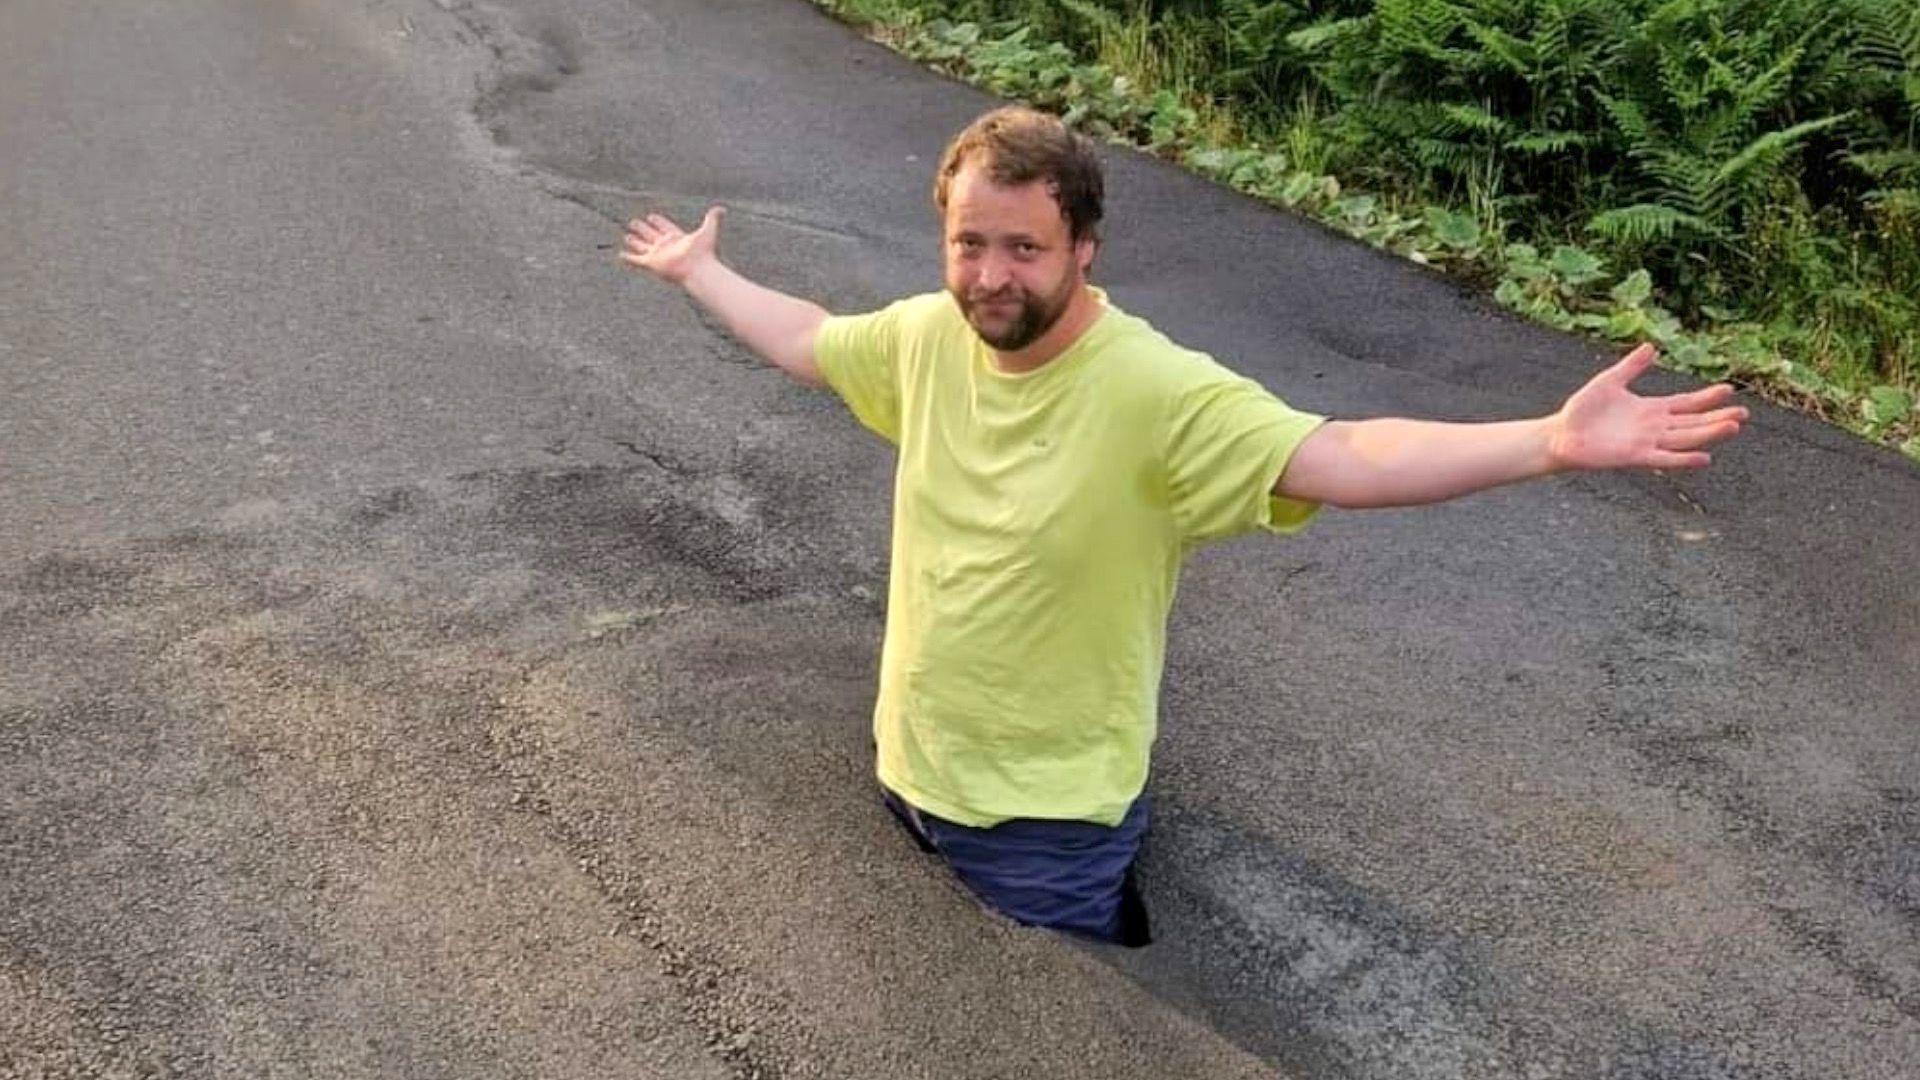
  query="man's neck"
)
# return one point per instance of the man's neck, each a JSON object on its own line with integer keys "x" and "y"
{"x": 1081, "y": 311}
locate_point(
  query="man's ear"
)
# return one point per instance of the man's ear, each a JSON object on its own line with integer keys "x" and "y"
{"x": 1083, "y": 252}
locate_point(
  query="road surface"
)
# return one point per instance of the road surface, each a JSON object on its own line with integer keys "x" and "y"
{"x": 427, "y": 650}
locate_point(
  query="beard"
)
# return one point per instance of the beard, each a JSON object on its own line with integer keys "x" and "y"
{"x": 1034, "y": 316}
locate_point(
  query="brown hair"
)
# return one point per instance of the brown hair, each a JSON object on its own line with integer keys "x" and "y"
{"x": 1022, "y": 145}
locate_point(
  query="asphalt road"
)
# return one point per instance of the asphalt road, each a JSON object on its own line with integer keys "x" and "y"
{"x": 427, "y": 650}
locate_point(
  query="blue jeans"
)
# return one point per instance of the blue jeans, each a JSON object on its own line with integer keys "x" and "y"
{"x": 1075, "y": 876}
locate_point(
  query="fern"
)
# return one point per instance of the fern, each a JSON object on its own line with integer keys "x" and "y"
{"x": 1516, "y": 55}
{"x": 1099, "y": 20}
{"x": 1765, "y": 153}
{"x": 1473, "y": 118}
{"x": 1321, "y": 35}
{"x": 1899, "y": 166}
{"x": 1889, "y": 36}
{"x": 1629, "y": 118}
{"x": 1541, "y": 143}
{"x": 1644, "y": 223}
{"x": 1420, "y": 27}
{"x": 1717, "y": 140}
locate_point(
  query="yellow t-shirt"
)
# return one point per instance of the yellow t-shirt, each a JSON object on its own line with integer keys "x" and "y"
{"x": 1039, "y": 522}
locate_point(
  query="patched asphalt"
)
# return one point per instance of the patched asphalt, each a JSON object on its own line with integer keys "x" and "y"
{"x": 427, "y": 650}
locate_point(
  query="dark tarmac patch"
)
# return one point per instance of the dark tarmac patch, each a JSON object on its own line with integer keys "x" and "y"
{"x": 197, "y": 845}
{"x": 1888, "y": 847}
{"x": 1683, "y": 1063}
{"x": 1324, "y": 977}
{"x": 403, "y": 788}
{"x": 606, "y": 523}
{"x": 59, "y": 585}
{"x": 1657, "y": 668}
{"x": 532, "y": 57}
{"x": 1308, "y": 969}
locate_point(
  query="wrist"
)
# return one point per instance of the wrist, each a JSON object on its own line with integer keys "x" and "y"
{"x": 1555, "y": 453}
{"x": 701, "y": 276}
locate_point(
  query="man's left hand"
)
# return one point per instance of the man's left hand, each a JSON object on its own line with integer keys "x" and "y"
{"x": 1607, "y": 426}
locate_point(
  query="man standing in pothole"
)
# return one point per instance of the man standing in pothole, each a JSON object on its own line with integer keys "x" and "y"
{"x": 1058, "y": 458}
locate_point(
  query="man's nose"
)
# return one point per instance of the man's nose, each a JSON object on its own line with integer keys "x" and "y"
{"x": 993, "y": 273}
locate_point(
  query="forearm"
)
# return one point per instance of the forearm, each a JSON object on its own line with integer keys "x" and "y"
{"x": 780, "y": 328}
{"x": 1397, "y": 462}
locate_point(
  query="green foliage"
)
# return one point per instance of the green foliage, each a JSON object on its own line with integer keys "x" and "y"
{"x": 1643, "y": 225}
{"x": 1753, "y": 165}
{"x": 1886, "y": 406}
{"x": 1454, "y": 230}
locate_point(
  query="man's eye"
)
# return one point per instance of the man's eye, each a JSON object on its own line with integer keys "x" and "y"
{"x": 1026, "y": 249}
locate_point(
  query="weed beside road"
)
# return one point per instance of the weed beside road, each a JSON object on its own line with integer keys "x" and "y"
{"x": 1738, "y": 183}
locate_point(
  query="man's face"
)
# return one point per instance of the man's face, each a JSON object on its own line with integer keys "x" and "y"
{"x": 1011, "y": 262}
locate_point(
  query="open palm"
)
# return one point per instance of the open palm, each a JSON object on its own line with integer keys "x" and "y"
{"x": 665, "y": 250}
{"x": 1607, "y": 426}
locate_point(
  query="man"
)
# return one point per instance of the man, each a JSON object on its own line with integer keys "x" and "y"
{"x": 1057, "y": 460}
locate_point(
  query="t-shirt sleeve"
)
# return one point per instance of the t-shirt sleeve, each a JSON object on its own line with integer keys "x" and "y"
{"x": 859, "y": 356}
{"x": 1229, "y": 439}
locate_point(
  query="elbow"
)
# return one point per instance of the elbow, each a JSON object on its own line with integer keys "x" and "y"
{"x": 1355, "y": 465}
{"x": 800, "y": 358}
{"x": 809, "y": 374}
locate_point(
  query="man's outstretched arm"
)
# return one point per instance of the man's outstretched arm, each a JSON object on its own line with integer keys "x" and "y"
{"x": 779, "y": 327}
{"x": 1394, "y": 462}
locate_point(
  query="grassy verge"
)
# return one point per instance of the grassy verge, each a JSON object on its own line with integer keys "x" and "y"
{"x": 1136, "y": 86}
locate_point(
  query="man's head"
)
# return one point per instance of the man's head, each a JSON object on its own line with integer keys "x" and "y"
{"x": 1019, "y": 196}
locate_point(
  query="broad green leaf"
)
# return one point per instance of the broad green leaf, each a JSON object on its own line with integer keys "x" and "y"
{"x": 1693, "y": 355}
{"x": 1299, "y": 186}
{"x": 1523, "y": 262}
{"x": 1453, "y": 229}
{"x": 1806, "y": 378}
{"x": 1627, "y": 323}
{"x": 1757, "y": 359}
{"x": 1634, "y": 289}
{"x": 1356, "y": 208}
{"x": 1385, "y": 229}
{"x": 1215, "y": 161}
{"x": 965, "y": 33}
{"x": 1886, "y": 405}
{"x": 1575, "y": 266}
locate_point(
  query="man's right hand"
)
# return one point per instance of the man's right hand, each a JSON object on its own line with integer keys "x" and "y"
{"x": 779, "y": 327}
{"x": 668, "y": 252}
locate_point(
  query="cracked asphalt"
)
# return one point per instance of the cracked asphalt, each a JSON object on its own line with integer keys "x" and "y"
{"x": 427, "y": 650}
